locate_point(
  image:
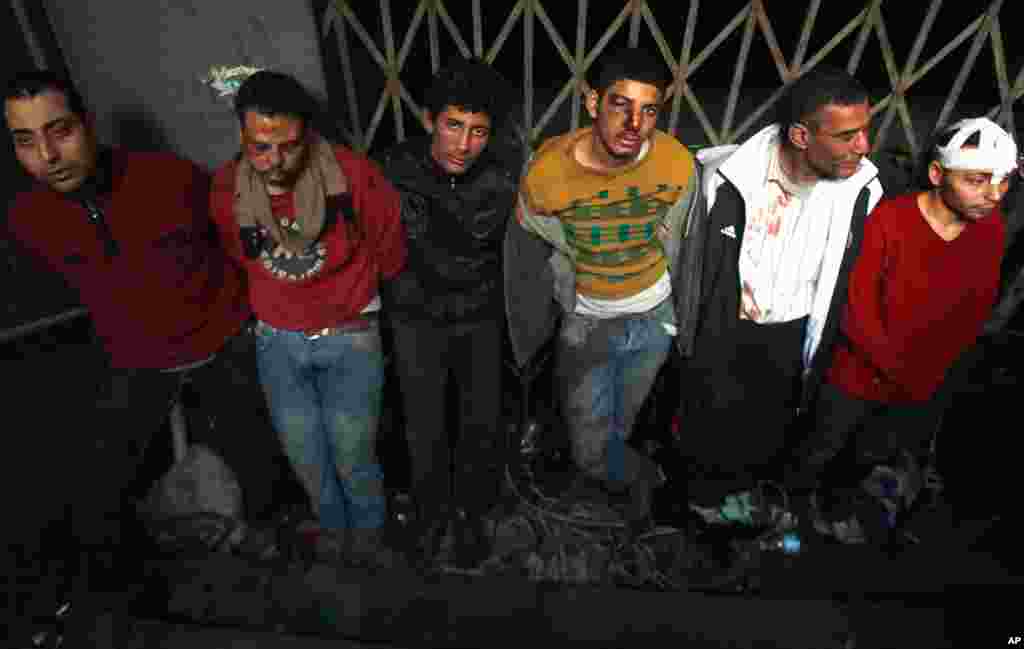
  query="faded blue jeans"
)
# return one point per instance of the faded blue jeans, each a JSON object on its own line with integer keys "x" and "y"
{"x": 606, "y": 369}
{"x": 324, "y": 395}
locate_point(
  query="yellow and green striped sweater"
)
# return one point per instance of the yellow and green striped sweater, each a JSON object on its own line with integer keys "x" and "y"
{"x": 610, "y": 220}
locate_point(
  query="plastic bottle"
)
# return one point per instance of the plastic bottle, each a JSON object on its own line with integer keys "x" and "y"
{"x": 787, "y": 542}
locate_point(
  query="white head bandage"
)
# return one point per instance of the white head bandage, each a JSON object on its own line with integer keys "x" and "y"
{"x": 996, "y": 151}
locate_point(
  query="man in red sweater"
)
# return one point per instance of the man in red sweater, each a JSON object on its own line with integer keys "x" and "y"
{"x": 131, "y": 233}
{"x": 919, "y": 293}
{"x": 316, "y": 228}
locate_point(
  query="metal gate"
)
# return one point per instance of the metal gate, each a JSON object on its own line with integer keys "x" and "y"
{"x": 671, "y": 28}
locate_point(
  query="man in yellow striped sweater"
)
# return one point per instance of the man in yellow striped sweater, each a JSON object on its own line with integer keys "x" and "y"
{"x": 612, "y": 202}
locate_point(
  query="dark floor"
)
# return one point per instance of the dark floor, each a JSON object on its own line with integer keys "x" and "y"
{"x": 969, "y": 550}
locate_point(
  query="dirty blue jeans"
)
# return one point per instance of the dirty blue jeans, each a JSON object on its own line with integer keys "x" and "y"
{"x": 324, "y": 395}
{"x": 606, "y": 368}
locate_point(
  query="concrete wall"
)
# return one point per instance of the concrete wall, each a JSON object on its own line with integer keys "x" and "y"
{"x": 140, "y": 65}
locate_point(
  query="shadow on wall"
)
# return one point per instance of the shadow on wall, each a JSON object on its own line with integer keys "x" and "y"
{"x": 133, "y": 127}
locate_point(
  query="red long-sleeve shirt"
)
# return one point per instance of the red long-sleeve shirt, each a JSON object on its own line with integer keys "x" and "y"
{"x": 170, "y": 296}
{"x": 353, "y": 262}
{"x": 916, "y": 302}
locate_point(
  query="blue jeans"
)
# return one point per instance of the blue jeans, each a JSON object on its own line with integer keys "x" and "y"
{"x": 324, "y": 396}
{"x": 606, "y": 369}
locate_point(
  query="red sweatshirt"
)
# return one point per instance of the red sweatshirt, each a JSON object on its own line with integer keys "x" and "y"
{"x": 916, "y": 302}
{"x": 352, "y": 258}
{"x": 170, "y": 296}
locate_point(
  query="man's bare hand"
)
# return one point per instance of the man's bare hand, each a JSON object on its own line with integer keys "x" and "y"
{"x": 664, "y": 232}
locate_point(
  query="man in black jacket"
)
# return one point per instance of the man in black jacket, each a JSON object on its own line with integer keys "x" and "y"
{"x": 785, "y": 215}
{"x": 446, "y": 307}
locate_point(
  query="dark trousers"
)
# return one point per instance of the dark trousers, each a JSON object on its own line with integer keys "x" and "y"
{"x": 426, "y": 356}
{"x": 133, "y": 407}
{"x": 850, "y": 435}
{"x": 739, "y": 416}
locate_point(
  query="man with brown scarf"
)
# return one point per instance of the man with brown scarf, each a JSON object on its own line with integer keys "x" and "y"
{"x": 316, "y": 228}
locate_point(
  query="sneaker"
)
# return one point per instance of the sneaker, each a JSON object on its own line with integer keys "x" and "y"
{"x": 896, "y": 486}
{"x": 749, "y": 509}
{"x": 736, "y": 509}
{"x": 847, "y": 531}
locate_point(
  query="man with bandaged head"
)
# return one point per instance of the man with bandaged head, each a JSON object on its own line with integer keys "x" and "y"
{"x": 921, "y": 289}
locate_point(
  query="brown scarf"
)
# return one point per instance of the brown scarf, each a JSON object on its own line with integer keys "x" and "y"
{"x": 322, "y": 177}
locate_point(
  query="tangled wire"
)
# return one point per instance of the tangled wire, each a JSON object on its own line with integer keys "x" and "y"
{"x": 586, "y": 541}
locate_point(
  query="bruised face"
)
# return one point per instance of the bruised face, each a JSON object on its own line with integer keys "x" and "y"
{"x": 837, "y": 139}
{"x": 459, "y": 138}
{"x": 968, "y": 193}
{"x": 625, "y": 116}
{"x": 54, "y": 145}
{"x": 277, "y": 148}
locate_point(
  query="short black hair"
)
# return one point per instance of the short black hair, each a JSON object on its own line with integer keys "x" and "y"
{"x": 470, "y": 85}
{"x": 32, "y": 83}
{"x": 268, "y": 92}
{"x": 821, "y": 86}
{"x": 633, "y": 64}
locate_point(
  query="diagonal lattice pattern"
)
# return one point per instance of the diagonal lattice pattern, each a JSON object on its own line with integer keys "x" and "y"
{"x": 875, "y": 33}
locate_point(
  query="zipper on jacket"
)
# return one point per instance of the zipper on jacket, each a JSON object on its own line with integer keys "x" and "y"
{"x": 96, "y": 217}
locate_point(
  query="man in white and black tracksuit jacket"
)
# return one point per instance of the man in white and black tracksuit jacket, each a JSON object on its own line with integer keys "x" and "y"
{"x": 784, "y": 217}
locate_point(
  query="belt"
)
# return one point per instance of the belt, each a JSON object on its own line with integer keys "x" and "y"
{"x": 361, "y": 323}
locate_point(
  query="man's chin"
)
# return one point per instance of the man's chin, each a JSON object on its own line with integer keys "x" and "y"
{"x": 976, "y": 214}
{"x": 623, "y": 153}
{"x": 847, "y": 170}
{"x": 458, "y": 168}
{"x": 66, "y": 185}
{"x": 278, "y": 181}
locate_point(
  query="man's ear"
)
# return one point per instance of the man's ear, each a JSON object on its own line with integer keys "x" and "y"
{"x": 799, "y": 135}
{"x": 428, "y": 120}
{"x": 592, "y": 102}
{"x": 935, "y": 173}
